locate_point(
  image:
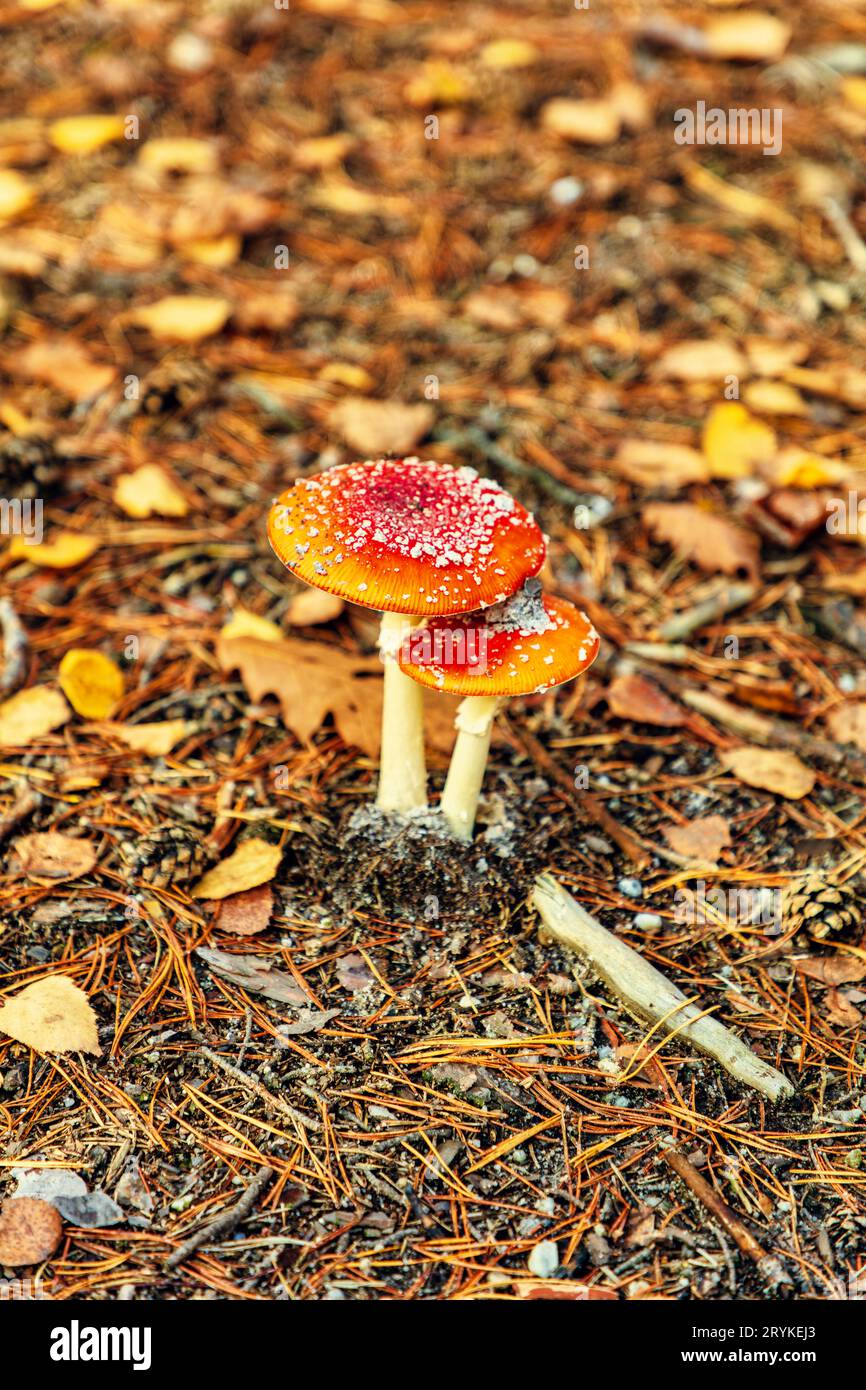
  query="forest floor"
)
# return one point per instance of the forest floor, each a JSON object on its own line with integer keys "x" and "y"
{"x": 303, "y": 236}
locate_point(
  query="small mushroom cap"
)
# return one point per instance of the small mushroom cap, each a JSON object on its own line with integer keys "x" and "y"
{"x": 404, "y": 536}
{"x": 464, "y": 657}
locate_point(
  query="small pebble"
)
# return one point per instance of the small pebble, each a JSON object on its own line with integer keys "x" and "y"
{"x": 544, "y": 1259}
{"x": 630, "y": 887}
{"x": 525, "y": 265}
{"x": 647, "y": 920}
{"x": 566, "y": 191}
{"x": 847, "y": 683}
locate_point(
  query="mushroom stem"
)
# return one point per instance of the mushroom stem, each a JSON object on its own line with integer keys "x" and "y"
{"x": 402, "y": 770}
{"x": 474, "y": 724}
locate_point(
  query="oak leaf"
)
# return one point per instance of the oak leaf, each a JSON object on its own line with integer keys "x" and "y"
{"x": 770, "y": 769}
{"x": 311, "y": 680}
{"x": 51, "y": 1015}
{"x": 712, "y": 542}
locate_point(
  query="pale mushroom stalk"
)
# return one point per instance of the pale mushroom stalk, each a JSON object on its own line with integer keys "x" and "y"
{"x": 474, "y": 724}
{"x": 402, "y": 769}
{"x": 531, "y": 643}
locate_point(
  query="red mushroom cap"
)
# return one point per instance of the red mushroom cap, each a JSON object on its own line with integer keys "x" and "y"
{"x": 404, "y": 536}
{"x": 464, "y": 657}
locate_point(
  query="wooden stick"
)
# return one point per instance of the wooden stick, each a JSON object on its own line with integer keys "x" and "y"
{"x": 225, "y": 1222}
{"x": 647, "y": 993}
{"x": 726, "y": 1218}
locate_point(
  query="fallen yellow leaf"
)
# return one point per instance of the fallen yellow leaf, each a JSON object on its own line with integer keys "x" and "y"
{"x": 183, "y": 318}
{"x": 735, "y": 442}
{"x": 148, "y": 491}
{"x": 51, "y": 1015}
{"x": 156, "y": 740}
{"x": 91, "y": 682}
{"x": 438, "y": 84}
{"x": 243, "y": 623}
{"x": 853, "y": 90}
{"x": 796, "y": 467}
{"x": 70, "y": 548}
{"x": 16, "y": 194}
{"x": 30, "y": 715}
{"x": 84, "y": 134}
{"x": 216, "y": 252}
{"x": 508, "y": 53}
{"x": 254, "y": 862}
{"x": 178, "y": 155}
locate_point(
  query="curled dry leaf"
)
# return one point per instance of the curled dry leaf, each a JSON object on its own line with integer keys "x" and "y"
{"x": 183, "y": 318}
{"x": 380, "y": 427}
{"x": 770, "y": 769}
{"x": 311, "y": 681}
{"x": 712, "y": 542}
{"x": 840, "y": 1010}
{"x": 255, "y": 973}
{"x": 51, "y": 1015}
{"x": 635, "y": 697}
{"x": 30, "y": 715}
{"x": 699, "y": 839}
{"x": 155, "y": 740}
{"x": 67, "y": 550}
{"x": 698, "y": 359}
{"x": 30, "y": 1231}
{"x": 247, "y": 913}
{"x": 253, "y": 862}
{"x": 49, "y": 854}
{"x": 91, "y": 682}
{"x": 149, "y": 490}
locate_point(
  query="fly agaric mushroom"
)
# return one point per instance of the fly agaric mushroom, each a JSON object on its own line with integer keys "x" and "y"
{"x": 411, "y": 539}
{"x": 526, "y": 645}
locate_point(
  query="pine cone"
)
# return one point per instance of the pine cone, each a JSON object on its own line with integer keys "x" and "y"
{"x": 821, "y": 908}
{"x": 29, "y": 466}
{"x": 171, "y": 854}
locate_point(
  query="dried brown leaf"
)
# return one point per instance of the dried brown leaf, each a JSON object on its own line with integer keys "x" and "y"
{"x": 380, "y": 427}
{"x": 699, "y": 839}
{"x": 635, "y": 697}
{"x": 712, "y": 542}
{"x": 30, "y": 1231}
{"x": 50, "y": 854}
{"x": 247, "y": 913}
{"x": 255, "y": 973}
{"x": 770, "y": 769}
